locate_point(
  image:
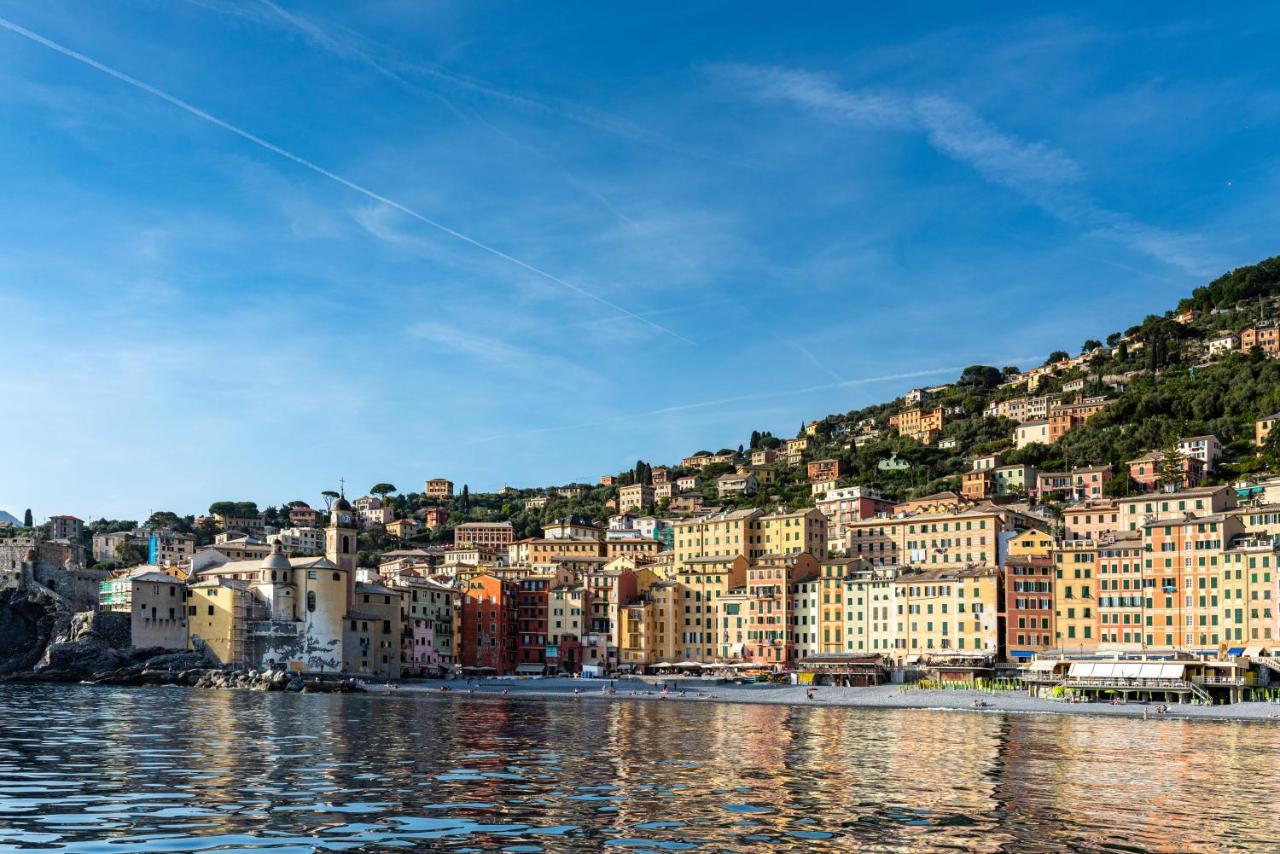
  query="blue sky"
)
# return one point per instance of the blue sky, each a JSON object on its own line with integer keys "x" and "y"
{"x": 530, "y": 243}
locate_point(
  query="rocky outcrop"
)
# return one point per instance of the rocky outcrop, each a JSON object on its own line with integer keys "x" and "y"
{"x": 41, "y": 641}
{"x": 30, "y": 617}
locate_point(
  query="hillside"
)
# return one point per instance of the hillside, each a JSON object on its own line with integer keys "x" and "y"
{"x": 1160, "y": 379}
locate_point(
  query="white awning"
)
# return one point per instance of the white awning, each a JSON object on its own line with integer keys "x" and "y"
{"x": 1254, "y": 652}
{"x": 1043, "y": 666}
{"x": 1126, "y": 670}
{"x": 530, "y": 667}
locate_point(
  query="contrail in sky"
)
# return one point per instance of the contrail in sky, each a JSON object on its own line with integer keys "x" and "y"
{"x": 758, "y": 395}
{"x": 320, "y": 170}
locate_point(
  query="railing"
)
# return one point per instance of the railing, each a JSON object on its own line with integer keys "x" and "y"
{"x": 1269, "y": 661}
{"x": 1136, "y": 684}
{"x": 1042, "y": 678}
{"x": 1223, "y": 680}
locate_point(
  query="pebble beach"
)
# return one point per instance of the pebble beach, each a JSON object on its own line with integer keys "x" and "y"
{"x": 878, "y": 697}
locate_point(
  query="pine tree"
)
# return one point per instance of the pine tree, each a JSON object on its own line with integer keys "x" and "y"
{"x": 755, "y": 439}
{"x": 27, "y": 520}
{"x": 1172, "y": 466}
{"x": 466, "y": 498}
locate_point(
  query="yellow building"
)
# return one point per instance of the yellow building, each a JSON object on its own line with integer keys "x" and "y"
{"x": 948, "y": 611}
{"x": 439, "y": 488}
{"x": 703, "y": 582}
{"x": 1075, "y": 595}
{"x": 650, "y": 627}
{"x": 1262, "y": 428}
{"x": 1030, "y": 543}
{"x": 830, "y": 629}
{"x": 800, "y": 531}
{"x": 719, "y": 535}
{"x": 1248, "y": 571}
{"x": 217, "y": 617}
{"x": 916, "y": 423}
{"x": 944, "y": 539}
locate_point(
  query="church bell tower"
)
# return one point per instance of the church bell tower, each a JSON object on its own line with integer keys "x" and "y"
{"x": 340, "y": 542}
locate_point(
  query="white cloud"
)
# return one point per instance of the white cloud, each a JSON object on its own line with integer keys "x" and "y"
{"x": 505, "y": 357}
{"x": 1042, "y": 174}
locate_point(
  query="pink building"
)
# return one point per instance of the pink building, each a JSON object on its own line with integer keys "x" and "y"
{"x": 770, "y": 639}
{"x": 1145, "y": 470}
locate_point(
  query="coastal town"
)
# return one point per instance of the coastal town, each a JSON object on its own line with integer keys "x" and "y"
{"x": 1156, "y": 579}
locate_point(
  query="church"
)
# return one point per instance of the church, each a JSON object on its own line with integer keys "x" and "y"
{"x": 296, "y": 614}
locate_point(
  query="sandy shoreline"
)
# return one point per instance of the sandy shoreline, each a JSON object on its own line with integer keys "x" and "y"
{"x": 880, "y": 697}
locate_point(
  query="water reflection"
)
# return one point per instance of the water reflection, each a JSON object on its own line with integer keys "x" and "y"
{"x": 87, "y": 769}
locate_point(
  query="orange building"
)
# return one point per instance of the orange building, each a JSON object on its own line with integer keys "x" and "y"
{"x": 978, "y": 484}
{"x": 434, "y": 517}
{"x": 1265, "y": 337}
{"x": 1181, "y": 577}
{"x": 1064, "y": 417}
{"x": 824, "y": 470}
{"x": 488, "y": 626}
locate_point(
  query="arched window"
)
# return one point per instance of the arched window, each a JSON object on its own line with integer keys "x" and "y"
{"x": 346, "y": 544}
{"x": 311, "y": 600}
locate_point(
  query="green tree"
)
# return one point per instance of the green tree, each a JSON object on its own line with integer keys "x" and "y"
{"x": 1057, "y": 356}
{"x": 1091, "y": 344}
{"x": 382, "y": 490}
{"x": 465, "y": 500}
{"x": 1171, "y": 471}
{"x": 206, "y": 531}
{"x": 1270, "y": 453}
{"x": 980, "y": 377}
{"x": 1121, "y": 486}
{"x": 329, "y": 497}
{"x": 130, "y": 554}
{"x": 168, "y": 520}
{"x": 27, "y": 520}
{"x": 233, "y": 508}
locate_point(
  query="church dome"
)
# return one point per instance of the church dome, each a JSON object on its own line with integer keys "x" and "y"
{"x": 342, "y": 504}
{"x": 276, "y": 560}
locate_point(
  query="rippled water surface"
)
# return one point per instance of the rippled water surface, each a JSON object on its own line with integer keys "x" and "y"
{"x": 100, "y": 769}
